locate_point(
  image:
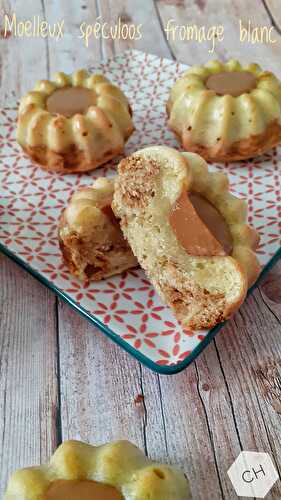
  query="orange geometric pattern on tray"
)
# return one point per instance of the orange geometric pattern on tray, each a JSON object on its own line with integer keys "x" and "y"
{"x": 32, "y": 199}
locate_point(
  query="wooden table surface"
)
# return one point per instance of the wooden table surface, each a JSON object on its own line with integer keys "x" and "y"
{"x": 61, "y": 378}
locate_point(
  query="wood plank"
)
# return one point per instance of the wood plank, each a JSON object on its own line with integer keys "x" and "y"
{"x": 73, "y": 52}
{"x": 143, "y": 14}
{"x": 100, "y": 385}
{"x": 22, "y": 60}
{"x": 273, "y": 10}
{"x": 191, "y": 437}
{"x": 69, "y": 53}
{"x": 226, "y": 13}
{"x": 249, "y": 352}
{"x": 28, "y": 383}
{"x": 238, "y": 380}
{"x": 270, "y": 291}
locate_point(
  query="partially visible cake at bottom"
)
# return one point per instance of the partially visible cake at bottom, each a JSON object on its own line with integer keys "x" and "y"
{"x": 114, "y": 471}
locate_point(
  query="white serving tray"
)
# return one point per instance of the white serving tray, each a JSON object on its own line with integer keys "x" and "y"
{"x": 125, "y": 307}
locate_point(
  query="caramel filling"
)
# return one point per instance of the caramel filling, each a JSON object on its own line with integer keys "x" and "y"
{"x": 199, "y": 226}
{"x": 68, "y": 101}
{"x": 232, "y": 83}
{"x": 81, "y": 490}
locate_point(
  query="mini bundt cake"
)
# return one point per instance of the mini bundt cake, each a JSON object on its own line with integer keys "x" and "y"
{"x": 114, "y": 471}
{"x": 226, "y": 112}
{"x": 74, "y": 123}
{"x": 188, "y": 233}
{"x": 91, "y": 241}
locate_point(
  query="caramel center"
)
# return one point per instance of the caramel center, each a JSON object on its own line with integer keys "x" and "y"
{"x": 81, "y": 490}
{"x": 68, "y": 101}
{"x": 199, "y": 226}
{"x": 232, "y": 83}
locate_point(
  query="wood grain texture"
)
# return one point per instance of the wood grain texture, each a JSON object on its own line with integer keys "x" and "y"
{"x": 18, "y": 54}
{"x": 69, "y": 53}
{"x": 137, "y": 13}
{"x": 85, "y": 386}
{"x": 100, "y": 386}
{"x": 226, "y": 13}
{"x": 272, "y": 8}
{"x": 238, "y": 381}
{"x": 28, "y": 355}
{"x": 28, "y": 382}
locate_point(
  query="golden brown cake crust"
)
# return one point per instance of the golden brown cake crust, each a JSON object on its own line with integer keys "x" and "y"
{"x": 119, "y": 464}
{"x": 181, "y": 296}
{"x": 72, "y": 160}
{"x": 222, "y": 126}
{"x": 100, "y": 265}
{"x": 90, "y": 239}
{"x": 201, "y": 290}
{"x": 68, "y": 138}
{"x": 251, "y": 147}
